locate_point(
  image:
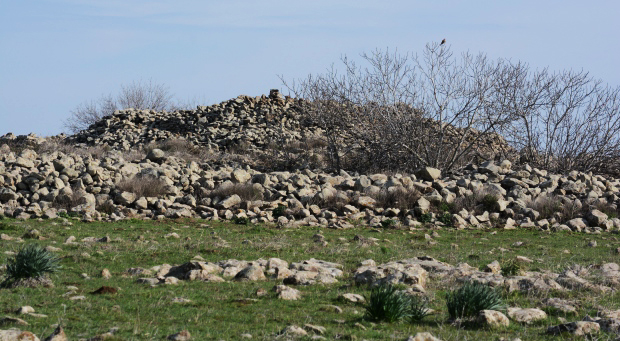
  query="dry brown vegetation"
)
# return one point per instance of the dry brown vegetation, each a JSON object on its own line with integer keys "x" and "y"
{"x": 247, "y": 192}
{"x": 401, "y": 198}
{"x": 142, "y": 186}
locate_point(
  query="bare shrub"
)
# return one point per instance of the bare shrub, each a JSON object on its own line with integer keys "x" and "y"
{"x": 403, "y": 111}
{"x": 307, "y": 153}
{"x": 53, "y": 145}
{"x": 247, "y": 192}
{"x": 185, "y": 150}
{"x": 106, "y": 207}
{"x": 563, "y": 209}
{"x": 331, "y": 203}
{"x": 612, "y": 210}
{"x": 142, "y": 186}
{"x": 67, "y": 202}
{"x": 137, "y": 95}
{"x": 478, "y": 202}
{"x": 401, "y": 198}
{"x": 566, "y": 120}
{"x": 546, "y": 205}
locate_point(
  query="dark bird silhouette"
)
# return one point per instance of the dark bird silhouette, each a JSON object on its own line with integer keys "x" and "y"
{"x": 443, "y": 42}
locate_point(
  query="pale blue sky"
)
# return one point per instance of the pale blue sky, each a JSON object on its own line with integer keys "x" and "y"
{"x": 56, "y": 54}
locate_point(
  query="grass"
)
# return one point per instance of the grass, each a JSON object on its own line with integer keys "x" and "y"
{"x": 31, "y": 261}
{"x": 218, "y": 311}
{"x": 472, "y": 298}
{"x": 387, "y": 303}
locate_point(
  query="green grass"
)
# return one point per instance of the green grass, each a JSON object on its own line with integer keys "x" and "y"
{"x": 215, "y": 312}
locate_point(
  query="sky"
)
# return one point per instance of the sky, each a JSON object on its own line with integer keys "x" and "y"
{"x": 56, "y": 54}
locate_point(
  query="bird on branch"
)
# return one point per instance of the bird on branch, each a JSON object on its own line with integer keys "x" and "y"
{"x": 443, "y": 41}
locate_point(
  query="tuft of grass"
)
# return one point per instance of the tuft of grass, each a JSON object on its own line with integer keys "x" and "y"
{"x": 471, "y": 298}
{"x": 489, "y": 202}
{"x": 279, "y": 211}
{"x": 387, "y": 304}
{"x": 32, "y": 261}
{"x": 445, "y": 218}
{"x": 241, "y": 220}
{"x": 388, "y": 223}
{"x": 418, "y": 308}
{"x": 425, "y": 218}
{"x": 512, "y": 267}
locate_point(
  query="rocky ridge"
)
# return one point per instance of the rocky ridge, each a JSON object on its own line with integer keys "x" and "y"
{"x": 36, "y": 185}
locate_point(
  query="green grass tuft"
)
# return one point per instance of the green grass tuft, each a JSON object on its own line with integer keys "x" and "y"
{"x": 32, "y": 261}
{"x": 387, "y": 304}
{"x": 471, "y": 298}
{"x": 418, "y": 308}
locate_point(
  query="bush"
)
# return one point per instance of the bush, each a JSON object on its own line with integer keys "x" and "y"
{"x": 31, "y": 261}
{"x": 241, "y": 220}
{"x": 388, "y": 304}
{"x": 332, "y": 203}
{"x": 425, "y": 218}
{"x": 246, "y": 192}
{"x": 142, "y": 186}
{"x": 401, "y": 198}
{"x": 445, "y": 218}
{"x": 388, "y": 223}
{"x": 418, "y": 308}
{"x": 489, "y": 202}
{"x": 279, "y": 211}
{"x": 137, "y": 95}
{"x": 471, "y": 298}
{"x": 474, "y": 202}
{"x": 512, "y": 267}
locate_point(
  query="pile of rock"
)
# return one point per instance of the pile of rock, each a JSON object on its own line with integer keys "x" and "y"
{"x": 252, "y": 122}
{"x": 307, "y": 272}
{"x": 39, "y": 186}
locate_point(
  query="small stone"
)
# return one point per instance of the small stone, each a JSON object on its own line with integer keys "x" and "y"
{"x": 171, "y": 281}
{"x": 7, "y": 320}
{"x": 526, "y": 315}
{"x": 105, "y": 274}
{"x": 331, "y": 308}
{"x": 493, "y": 318}
{"x": 425, "y": 336}
{"x": 57, "y": 335}
{"x": 579, "y": 328}
{"x": 25, "y": 310}
{"x": 355, "y": 298}
{"x": 315, "y": 329}
{"x": 294, "y": 330}
{"x": 183, "y": 335}
{"x": 287, "y": 293}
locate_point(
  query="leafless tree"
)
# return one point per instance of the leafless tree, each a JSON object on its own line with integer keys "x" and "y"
{"x": 568, "y": 121}
{"x": 403, "y": 111}
{"x": 137, "y": 95}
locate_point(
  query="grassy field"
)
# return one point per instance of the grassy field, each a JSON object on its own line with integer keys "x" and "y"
{"x": 218, "y": 311}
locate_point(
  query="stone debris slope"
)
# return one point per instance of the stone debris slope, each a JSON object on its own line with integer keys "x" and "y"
{"x": 36, "y": 185}
{"x": 250, "y": 121}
